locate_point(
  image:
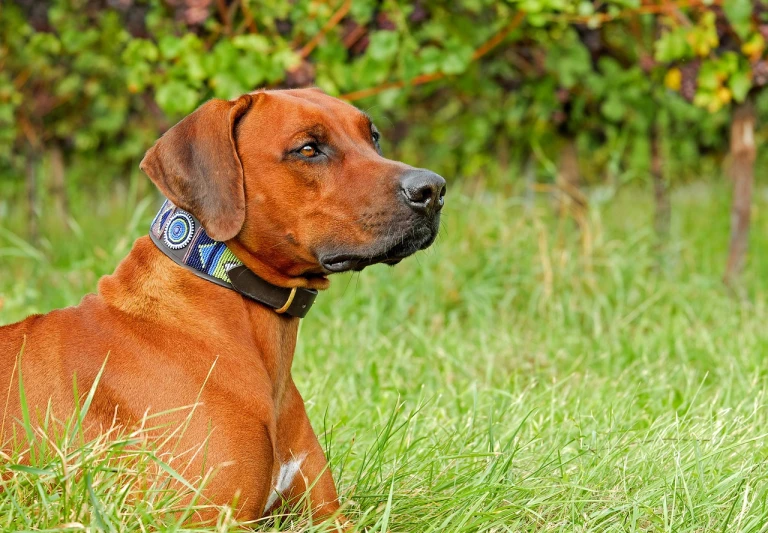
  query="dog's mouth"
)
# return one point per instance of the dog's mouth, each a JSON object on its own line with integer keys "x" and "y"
{"x": 344, "y": 263}
{"x": 390, "y": 252}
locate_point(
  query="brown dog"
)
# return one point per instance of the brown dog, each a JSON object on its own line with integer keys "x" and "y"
{"x": 294, "y": 185}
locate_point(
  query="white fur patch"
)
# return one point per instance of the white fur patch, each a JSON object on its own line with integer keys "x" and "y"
{"x": 285, "y": 477}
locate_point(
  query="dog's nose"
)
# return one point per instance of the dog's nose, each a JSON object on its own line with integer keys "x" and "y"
{"x": 423, "y": 190}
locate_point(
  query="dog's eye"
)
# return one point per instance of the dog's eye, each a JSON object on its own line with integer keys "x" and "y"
{"x": 375, "y": 137}
{"x": 309, "y": 150}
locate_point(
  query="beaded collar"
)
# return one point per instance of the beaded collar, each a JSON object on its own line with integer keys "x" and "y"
{"x": 182, "y": 237}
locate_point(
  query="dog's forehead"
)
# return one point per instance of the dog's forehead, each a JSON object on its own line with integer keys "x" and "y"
{"x": 308, "y": 105}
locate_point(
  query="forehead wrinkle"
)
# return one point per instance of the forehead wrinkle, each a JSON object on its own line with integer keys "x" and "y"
{"x": 356, "y": 127}
{"x": 370, "y": 127}
{"x": 331, "y": 105}
{"x": 342, "y": 125}
{"x": 303, "y": 119}
{"x": 317, "y": 130}
{"x": 367, "y": 117}
{"x": 339, "y": 120}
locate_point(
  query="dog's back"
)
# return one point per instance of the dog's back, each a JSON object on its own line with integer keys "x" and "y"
{"x": 31, "y": 364}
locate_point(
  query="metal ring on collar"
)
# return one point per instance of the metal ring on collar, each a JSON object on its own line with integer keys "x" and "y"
{"x": 288, "y": 303}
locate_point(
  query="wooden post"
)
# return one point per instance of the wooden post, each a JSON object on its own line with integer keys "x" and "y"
{"x": 30, "y": 182}
{"x": 529, "y": 174}
{"x": 57, "y": 185}
{"x": 742, "y": 172}
{"x": 570, "y": 197}
{"x": 662, "y": 208}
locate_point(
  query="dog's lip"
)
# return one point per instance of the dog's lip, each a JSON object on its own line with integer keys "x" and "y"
{"x": 393, "y": 254}
{"x": 345, "y": 262}
{"x": 320, "y": 276}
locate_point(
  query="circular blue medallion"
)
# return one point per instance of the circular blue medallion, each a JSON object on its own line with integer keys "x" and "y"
{"x": 180, "y": 231}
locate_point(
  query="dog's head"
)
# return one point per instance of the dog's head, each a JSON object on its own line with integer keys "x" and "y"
{"x": 295, "y": 183}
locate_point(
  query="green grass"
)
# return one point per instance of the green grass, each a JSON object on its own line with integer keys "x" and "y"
{"x": 508, "y": 379}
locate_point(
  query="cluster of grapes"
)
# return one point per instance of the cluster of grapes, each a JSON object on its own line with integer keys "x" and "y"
{"x": 191, "y": 12}
{"x": 133, "y": 16}
{"x": 760, "y": 73}
{"x": 689, "y": 74}
{"x": 355, "y": 36}
{"x": 760, "y": 68}
{"x": 36, "y": 13}
{"x": 728, "y": 40}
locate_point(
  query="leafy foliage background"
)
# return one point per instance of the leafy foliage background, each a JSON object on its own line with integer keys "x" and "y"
{"x": 507, "y": 81}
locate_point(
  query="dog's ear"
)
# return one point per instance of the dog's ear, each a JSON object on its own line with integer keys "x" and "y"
{"x": 196, "y": 166}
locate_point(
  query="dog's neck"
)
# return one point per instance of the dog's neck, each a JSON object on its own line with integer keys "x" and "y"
{"x": 181, "y": 236}
{"x": 161, "y": 294}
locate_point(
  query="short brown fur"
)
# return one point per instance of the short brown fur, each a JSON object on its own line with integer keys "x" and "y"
{"x": 172, "y": 337}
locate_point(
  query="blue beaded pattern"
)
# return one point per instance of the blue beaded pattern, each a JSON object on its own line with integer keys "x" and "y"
{"x": 177, "y": 230}
{"x": 180, "y": 231}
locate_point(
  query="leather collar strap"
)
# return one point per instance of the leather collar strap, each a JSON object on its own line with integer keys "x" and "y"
{"x": 182, "y": 238}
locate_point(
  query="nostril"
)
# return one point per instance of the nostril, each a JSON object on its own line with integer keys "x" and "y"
{"x": 418, "y": 195}
{"x": 441, "y": 197}
{"x": 423, "y": 190}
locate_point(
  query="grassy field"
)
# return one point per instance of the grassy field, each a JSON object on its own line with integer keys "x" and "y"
{"x": 518, "y": 376}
